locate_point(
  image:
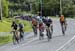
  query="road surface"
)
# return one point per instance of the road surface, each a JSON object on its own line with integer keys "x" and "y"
{"x": 58, "y": 42}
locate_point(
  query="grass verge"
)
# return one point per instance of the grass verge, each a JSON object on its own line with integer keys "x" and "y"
{"x": 5, "y": 39}
{"x": 5, "y": 25}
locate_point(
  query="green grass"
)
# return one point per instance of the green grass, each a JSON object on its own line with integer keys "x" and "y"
{"x": 5, "y": 39}
{"x": 5, "y": 25}
{"x": 28, "y": 26}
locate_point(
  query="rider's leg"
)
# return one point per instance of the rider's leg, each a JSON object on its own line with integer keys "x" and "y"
{"x": 14, "y": 37}
{"x": 36, "y": 30}
{"x": 20, "y": 33}
{"x": 33, "y": 30}
{"x": 40, "y": 34}
{"x": 17, "y": 36}
{"x": 50, "y": 33}
{"x": 61, "y": 26}
{"x": 51, "y": 28}
{"x": 65, "y": 26}
{"x": 63, "y": 31}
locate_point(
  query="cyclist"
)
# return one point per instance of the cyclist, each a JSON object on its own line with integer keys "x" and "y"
{"x": 49, "y": 27}
{"x": 63, "y": 24}
{"x": 21, "y": 26}
{"x": 44, "y": 19}
{"x": 40, "y": 27}
{"x": 34, "y": 26}
{"x": 15, "y": 32}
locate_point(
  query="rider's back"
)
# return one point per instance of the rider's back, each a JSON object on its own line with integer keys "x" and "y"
{"x": 48, "y": 22}
{"x": 34, "y": 22}
{"x": 21, "y": 25}
{"x": 14, "y": 26}
{"x": 62, "y": 18}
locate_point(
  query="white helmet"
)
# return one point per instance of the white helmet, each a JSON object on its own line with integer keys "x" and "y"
{"x": 47, "y": 18}
{"x": 38, "y": 17}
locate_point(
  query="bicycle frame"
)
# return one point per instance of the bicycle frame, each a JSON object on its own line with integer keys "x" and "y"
{"x": 16, "y": 36}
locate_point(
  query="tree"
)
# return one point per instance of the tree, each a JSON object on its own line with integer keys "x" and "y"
{"x": 49, "y": 7}
{"x": 68, "y": 8}
{"x": 5, "y": 8}
{"x": 0, "y": 10}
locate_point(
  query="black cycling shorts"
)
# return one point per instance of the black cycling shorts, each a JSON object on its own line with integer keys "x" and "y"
{"x": 48, "y": 25}
{"x": 63, "y": 22}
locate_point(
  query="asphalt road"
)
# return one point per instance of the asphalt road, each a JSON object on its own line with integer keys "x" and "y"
{"x": 58, "y": 42}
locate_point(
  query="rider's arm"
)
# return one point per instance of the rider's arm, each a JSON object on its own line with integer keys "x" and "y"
{"x": 51, "y": 22}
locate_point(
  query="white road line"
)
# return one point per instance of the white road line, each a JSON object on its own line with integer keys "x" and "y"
{"x": 59, "y": 49}
{"x": 22, "y": 44}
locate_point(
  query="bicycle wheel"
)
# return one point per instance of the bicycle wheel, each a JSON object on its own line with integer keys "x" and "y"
{"x": 65, "y": 27}
{"x": 49, "y": 36}
{"x": 17, "y": 36}
{"x": 51, "y": 29}
{"x": 14, "y": 38}
{"x": 41, "y": 34}
{"x": 35, "y": 31}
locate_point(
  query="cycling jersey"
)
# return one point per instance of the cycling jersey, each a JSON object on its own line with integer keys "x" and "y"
{"x": 48, "y": 22}
{"x": 62, "y": 18}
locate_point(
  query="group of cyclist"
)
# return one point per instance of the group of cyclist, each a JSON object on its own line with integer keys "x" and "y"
{"x": 17, "y": 30}
{"x": 46, "y": 23}
{"x": 41, "y": 24}
{"x": 38, "y": 23}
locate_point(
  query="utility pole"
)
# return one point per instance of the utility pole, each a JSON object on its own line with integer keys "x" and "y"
{"x": 60, "y": 7}
{"x": 41, "y": 6}
{"x": 0, "y": 10}
{"x": 31, "y": 7}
